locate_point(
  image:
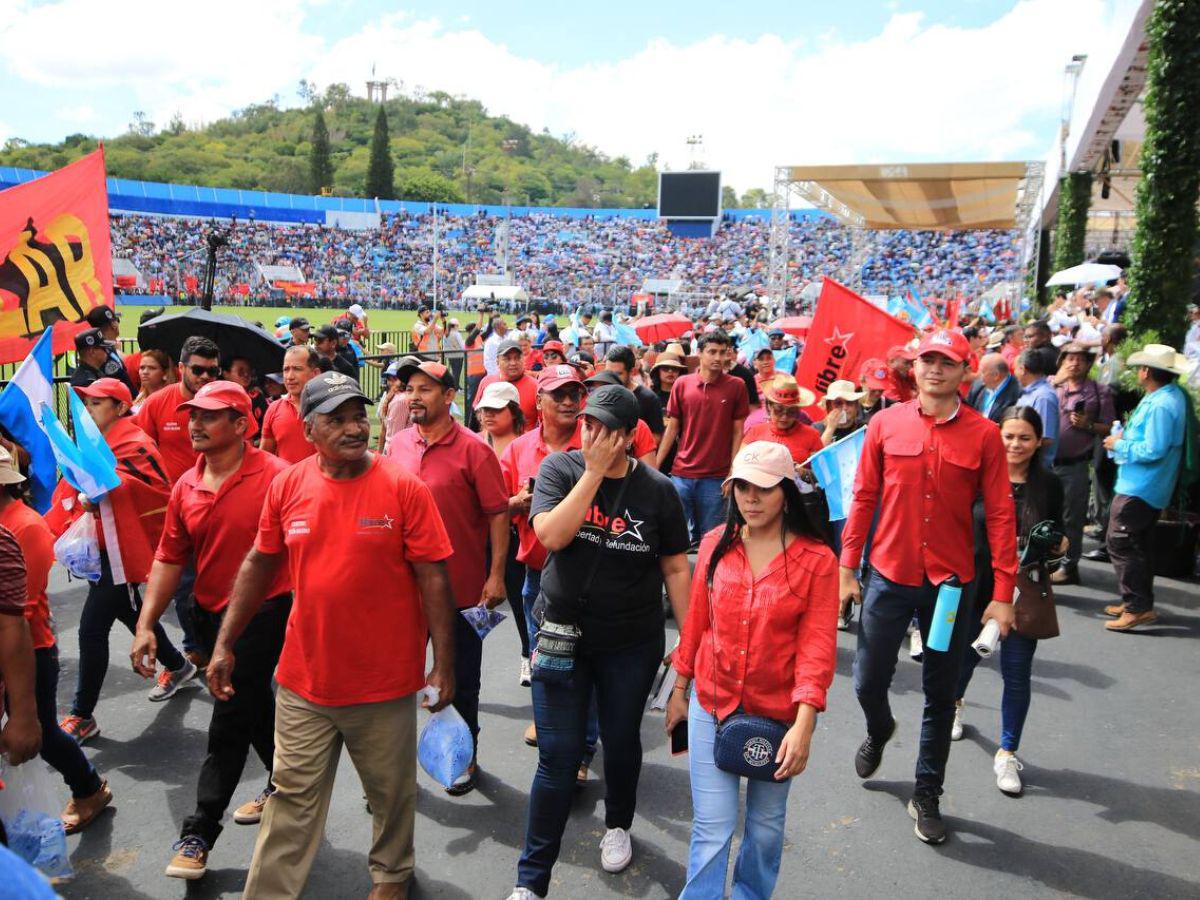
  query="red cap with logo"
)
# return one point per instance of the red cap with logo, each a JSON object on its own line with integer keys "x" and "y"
{"x": 950, "y": 344}
{"x": 900, "y": 351}
{"x": 552, "y": 378}
{"x": 555, "y": 347}
{"x": 113, "y": 388}
{"x": 219, "y": 395}
{"x": 874, "y": 375}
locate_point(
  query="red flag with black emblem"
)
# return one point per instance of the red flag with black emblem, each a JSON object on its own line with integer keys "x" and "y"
{"x": 55, "y": 256}
{"x": 846, "y": 331}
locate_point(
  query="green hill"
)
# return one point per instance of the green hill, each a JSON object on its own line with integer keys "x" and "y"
{"x": 443, "y": 148}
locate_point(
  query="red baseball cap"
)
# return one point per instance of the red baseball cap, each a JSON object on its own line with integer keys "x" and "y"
{"x": 902, "y": 352}
{"x": 874, "y": 375}
{"x": 220, "y": 395}
{"x": 555, "y": 346}
{"x": 950, "y": 344}
{"x": 113, "y": 388}
{"x": 552, "y": 378}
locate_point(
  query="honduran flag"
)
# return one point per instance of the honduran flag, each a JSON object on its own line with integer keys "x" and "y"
{"x": 86, "y": 462}
{"x": 21, "y": 404}
{"x": 835, "y": 468}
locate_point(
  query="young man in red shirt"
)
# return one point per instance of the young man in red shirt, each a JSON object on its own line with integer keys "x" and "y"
{"x": 366, "y": 551}
{"x": 282, "y": 430}
{"x": 463, "y": 474}
{"x": 212, "y": 517}
{"x": 784, "y": 399}
{"x": 923, "y": 465}
{"x": 511, "y": 368}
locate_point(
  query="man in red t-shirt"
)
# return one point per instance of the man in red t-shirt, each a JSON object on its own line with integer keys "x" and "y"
{"x": 511, "y": 362}
{"x": 784, "y": 398}
{"x": 366, "y": 550}
{"x": 901, "y": 387}
{"x": 212, "y": 516}
{"x": 463, "y": 474}
{"x": 21, "y": 735}
{"x": 282, "y": 430}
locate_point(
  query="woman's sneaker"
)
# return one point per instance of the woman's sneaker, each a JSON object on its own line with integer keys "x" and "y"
{"x": 169, "y": 682}
{"x": 526, "y": 673}
{"x": 916, "y": 649}
{"x": 1007, "y": 768}
{"x": 80, "y": 728}
{"x": 250, "y": 812}
{"x": 616, "y": 850}
{"x": 190, "y": 860}
{"x": 956, "y": 730}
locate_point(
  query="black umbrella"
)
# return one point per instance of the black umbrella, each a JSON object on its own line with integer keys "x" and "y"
{"x": 235, "y": 336}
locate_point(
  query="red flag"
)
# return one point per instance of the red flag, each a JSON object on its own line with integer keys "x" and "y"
{"x": 952, "y": 309}
{"x": 846, "y": 331}
{"x": 55, "y": 256}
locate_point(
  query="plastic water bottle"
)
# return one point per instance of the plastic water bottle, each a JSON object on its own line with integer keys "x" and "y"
{"x": 1117, "y": 431}
{"x": 945, "y": 611}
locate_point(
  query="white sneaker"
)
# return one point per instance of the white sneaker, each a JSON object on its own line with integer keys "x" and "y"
{"x": 522, "y": 893}
{"x": 526, "y": 674}
{"x": 916, "y": 649}
{"x": 168, "y": 683}
{"x": 956, "y": 730}
{"x": 616, "y": 850}
{"x": 1006, "y": 766}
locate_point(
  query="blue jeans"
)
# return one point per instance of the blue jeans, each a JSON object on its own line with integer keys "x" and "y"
{"x": 184, "y": 603}
{"x": 702, "y": 503}
{"x": 533, "y": 585}
{"x": 887, "y": 609}
{"x": 619, "y": 683}
{"x": 714, "y": 819}
{"x": 1016, "y": 668}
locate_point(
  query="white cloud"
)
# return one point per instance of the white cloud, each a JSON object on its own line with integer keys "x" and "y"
{"x": 83, "y": 114}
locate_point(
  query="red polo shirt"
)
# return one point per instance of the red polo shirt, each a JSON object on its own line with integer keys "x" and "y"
{"x": 526, "y": 387}
{"x": 463, "y": 474}
{"x": 706, "y": 413}
{"x": 283, "y": 423}
{"x": 357, "y": 632}
{"x": 801, "y": 440}
{"x": 37, "y": 546}
{"x": 218, "y": 529}
{"x": 520, "y": 462}
{"x": 167, "y": 426}
{"x": 924, "y": 476}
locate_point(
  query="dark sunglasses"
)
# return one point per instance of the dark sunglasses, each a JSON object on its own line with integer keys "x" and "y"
{"x": 211, "y": 371}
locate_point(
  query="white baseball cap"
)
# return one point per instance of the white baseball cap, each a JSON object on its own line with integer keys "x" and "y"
{"x": 498, "y": 395}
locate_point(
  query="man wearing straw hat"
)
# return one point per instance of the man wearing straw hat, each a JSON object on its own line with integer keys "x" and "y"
{"x": 1148, "y": 455}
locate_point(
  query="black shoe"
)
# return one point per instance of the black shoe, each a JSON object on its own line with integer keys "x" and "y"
{"x": 924, "y": 809}
{"x": 1097, "y": 555}
{"x": 870, "y": 753}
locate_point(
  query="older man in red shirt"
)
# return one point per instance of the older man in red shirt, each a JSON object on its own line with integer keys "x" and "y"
{"x": 463, "y": 474}
{"x": 923, "y": 465}
{"x": 212, "y": 517}
{"x": 282, "y": 430}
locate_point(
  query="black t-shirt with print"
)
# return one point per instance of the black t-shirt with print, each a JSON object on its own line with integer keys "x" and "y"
{"x": 623, "y": 606}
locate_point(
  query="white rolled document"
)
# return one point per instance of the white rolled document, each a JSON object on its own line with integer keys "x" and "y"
{"x": 989, "y": 638}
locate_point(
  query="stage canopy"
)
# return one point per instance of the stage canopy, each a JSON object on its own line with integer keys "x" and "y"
{"x": 916, "y": 196}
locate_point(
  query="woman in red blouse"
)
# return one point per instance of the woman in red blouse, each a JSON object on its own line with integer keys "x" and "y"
{"x": 760, "y": 638}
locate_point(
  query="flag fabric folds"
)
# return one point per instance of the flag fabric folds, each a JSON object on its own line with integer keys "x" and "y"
{"x": 835, "y": 468}
{"x": 21, "y": 403}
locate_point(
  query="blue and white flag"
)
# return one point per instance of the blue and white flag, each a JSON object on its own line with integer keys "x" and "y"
{"x": 785, "y": 360}
{"x": 835, "y": 468}
{"x": 87, "y": 462}
{"x": 752, "y": 341}
{"x": 626, "y": 335}
{"x": 21, "y": 403}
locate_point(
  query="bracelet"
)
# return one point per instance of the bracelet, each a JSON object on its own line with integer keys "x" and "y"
{"x": 680, "y": 688}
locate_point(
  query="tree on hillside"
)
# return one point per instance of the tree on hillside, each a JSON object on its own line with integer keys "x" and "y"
{"x": 428, "y": 187}
{"x": 320, "y": 160}
{"x": 729, "y": 198}
{"x": 380, "y": 170}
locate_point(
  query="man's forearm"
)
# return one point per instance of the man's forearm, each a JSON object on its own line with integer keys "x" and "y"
{"x": 498, "y": 532}
{"x": 667, "y": 442}
{"x": 17, "y": 666}
{"x": 677, "y": 579}
{"x": 249, "y": 592}
{"x": 437, "y": 601}
{"x": 164, "y": 580}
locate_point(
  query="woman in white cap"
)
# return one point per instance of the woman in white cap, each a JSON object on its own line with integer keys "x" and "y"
{"x": 760, "y": 640}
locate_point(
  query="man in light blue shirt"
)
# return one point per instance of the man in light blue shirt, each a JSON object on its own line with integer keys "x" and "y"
{"x": 1033, "y": 365}
{"x": 1148, "y": 454}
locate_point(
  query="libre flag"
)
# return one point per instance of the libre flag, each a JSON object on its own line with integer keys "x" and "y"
{"x": 55, "y": 256}
{"x": 846, "y": 331}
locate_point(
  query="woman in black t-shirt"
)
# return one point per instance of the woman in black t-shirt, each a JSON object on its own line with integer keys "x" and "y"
{"x": 616, "y": 531}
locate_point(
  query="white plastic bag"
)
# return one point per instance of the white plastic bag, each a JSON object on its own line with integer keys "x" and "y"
{"x": 79, "y": 550}
{"x": 445, "y": 747}
{"x": 30, "y": 813}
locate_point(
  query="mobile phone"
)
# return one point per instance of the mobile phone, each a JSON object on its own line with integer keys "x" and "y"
{"x": 679, "y": 738}
{"x": 531, "y": 484}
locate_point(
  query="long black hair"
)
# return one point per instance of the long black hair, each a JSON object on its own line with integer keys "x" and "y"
{"x": 1034, "y": 507}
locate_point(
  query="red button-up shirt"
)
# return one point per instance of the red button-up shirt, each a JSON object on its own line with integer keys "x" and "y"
{"x": 924, "y": 476}
{"x": 520, "y": 462}
{"x": 771, "y": 642}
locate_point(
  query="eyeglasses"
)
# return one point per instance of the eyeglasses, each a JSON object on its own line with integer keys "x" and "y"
{"x": 562, "y": 395}
{"x": 210, "y": 371}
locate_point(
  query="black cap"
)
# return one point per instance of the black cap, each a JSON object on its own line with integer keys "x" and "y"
{"x": 152, "y": 313}
{"x": 99, "y": 316}
{"x": 298, "y": 322}
{"x": 612, "y": 406}
{"x": 507, "y": 347}
{"x": 92, "y": 337}
{"x": 581, "y": 358}
{"x": 324, "y": 333}
{"x": 604, "y": 377}
{"x": 327, "y": 392}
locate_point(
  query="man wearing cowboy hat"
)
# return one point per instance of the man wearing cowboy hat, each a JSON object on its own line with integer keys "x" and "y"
{"x": 1148, "y": 455}
{"x": 1085, "y": 414}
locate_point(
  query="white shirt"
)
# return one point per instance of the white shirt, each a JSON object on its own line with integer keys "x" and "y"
{"x": 490, "y": 365}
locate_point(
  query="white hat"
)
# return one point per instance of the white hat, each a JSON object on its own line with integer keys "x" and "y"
{"x": 9, "y": 473}
{"x": 452, "y": 321}
{"x": 842, "y": 390}
{"x": 356, "y": 310}
{"x": 763, "y": 463}
{"x": 1160, "y": 356}
{"x": 498, "y": 395}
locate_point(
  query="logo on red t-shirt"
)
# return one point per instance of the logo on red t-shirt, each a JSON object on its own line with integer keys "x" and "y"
{"x": 374, "y": 523}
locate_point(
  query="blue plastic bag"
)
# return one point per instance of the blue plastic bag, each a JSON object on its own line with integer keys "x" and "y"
{"x": 30, "y": 813}
{"x": 445, "y": 747}
{"x": 482, "y": 619}
{"x": 79, "y": 550}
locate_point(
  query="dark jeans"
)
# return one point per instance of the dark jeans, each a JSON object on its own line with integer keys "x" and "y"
{"x": 1131, "y": 522}
{"x": 887, "y": 609}
{"x": 469, "y": 416}
{"x": 1104, "y": 478}
{"x": 184, "y": 603}
{"x": 1076, "y": 480}
{"x": 621, "y": 684}
{"x": 107, "y": 603}
{"x": 1016, "y": 668}
{"x": 245, "y": 720}
{"x": 514, "y": 585}
{"x": 468, "y": 660}
{"x": 59, "y": 748}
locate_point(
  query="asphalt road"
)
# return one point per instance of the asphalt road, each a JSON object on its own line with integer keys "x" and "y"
{"x": 1111, "y": 808}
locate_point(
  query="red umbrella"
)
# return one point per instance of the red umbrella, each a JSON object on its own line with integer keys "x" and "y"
{"x": 797, "y": 325}
{"x": 663, "y": 327}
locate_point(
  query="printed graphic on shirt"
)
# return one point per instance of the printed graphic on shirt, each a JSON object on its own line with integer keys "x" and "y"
{"x": 624, "y": 531}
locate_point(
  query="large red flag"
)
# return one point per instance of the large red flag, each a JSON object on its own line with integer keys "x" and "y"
{"x": 846, "y": 331}
{"x": 55, "y": 256}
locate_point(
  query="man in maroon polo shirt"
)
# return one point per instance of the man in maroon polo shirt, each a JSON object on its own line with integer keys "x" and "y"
{"x": 282, "y": 429}
{"x": 705, "y": 414}
{"x": 510, "y": 361}
{"x": 212, "y": 517}
{"x": 922, "y": 466}
{"x": 463, "y": 475}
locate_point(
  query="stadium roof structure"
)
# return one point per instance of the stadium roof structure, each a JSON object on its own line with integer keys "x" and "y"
{"x": 914, "y": 196}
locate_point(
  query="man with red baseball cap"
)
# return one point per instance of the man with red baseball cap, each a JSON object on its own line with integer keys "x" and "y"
{"x": 212, "y": 517}
{"x": 923, "y": 464}
{"x": 873, "y": 379}
{"x": 901, "y": 387}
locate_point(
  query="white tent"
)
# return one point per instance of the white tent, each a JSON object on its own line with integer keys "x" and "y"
{"x": 496, "y": 292}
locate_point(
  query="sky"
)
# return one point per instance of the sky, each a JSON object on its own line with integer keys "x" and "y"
{"x": 765, "y": 83}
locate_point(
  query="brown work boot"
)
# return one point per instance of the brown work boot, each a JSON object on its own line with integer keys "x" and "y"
{"x": 1131, "y": 620}
{"x": 1114, "y": 609}
{"x": 389, "y": 890}
{"x": 531, "y": 735}
{"x": 80, "y": 812}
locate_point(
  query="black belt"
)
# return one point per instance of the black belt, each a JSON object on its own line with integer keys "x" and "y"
{"x": 1087, "y": 457}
